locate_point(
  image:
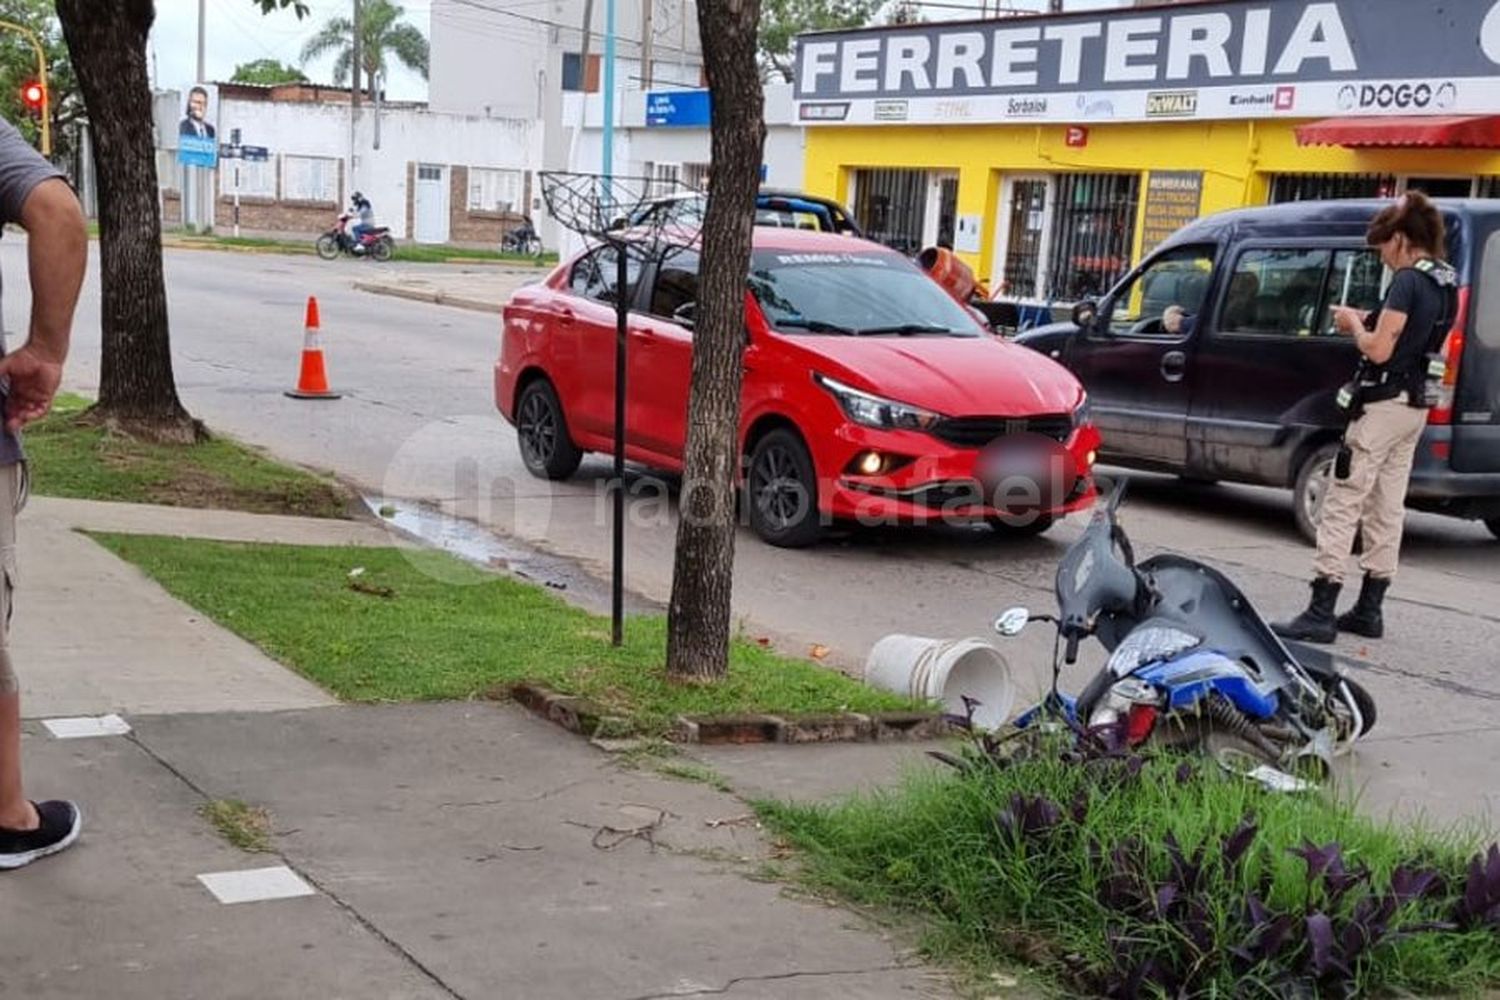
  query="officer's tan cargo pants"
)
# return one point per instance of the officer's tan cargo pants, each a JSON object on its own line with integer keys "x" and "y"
{"x": 1382, "y": 442}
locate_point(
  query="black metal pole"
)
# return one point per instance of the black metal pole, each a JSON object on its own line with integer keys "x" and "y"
{"x": 622, "y": 314}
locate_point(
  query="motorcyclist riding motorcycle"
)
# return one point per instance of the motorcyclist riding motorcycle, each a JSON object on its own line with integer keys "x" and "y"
{"x": 360, "y": 207}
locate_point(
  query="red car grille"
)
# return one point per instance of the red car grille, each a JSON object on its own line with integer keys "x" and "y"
{"x": 976, "y": 432}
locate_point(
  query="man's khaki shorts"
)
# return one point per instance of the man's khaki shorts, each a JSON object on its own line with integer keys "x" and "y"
{"x": 13, "y": 487}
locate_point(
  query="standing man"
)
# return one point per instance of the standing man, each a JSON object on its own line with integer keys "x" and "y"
{"x": 33, "y": 194}
{"x": 196, "y": 121}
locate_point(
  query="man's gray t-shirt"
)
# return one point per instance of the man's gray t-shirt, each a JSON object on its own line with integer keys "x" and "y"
{"x": 21, "y": 169}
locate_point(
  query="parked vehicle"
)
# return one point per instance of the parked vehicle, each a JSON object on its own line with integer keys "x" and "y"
{"x": 523, "y": 239}
{"x": 1244, "y": 389}
{"x": 773, "y": 207}
{"x": 869, "y": 393}
{"x": 375, "y": 244}
{"x": 1192, "y": 665}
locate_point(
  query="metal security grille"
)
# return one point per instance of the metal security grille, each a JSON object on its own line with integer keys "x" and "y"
{"x": 1320, "y": 187}
{"x": 1487, "y": 187}
{"x": 1093, "y": 230}
{"x": 1023, "y": 254}
{"x": 891, "y": 206}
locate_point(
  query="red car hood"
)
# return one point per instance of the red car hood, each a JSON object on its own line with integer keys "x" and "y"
{"x": 954, "y": 376}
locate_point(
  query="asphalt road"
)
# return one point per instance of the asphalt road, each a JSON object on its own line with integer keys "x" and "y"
{"x": 417, "y": 422}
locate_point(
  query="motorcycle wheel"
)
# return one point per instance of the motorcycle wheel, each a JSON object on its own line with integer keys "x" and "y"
{"x": 1365, "y": 703}
{"x": 328, "y": 246}
{"x": 382, "y": 249}
{"x": 534, "y": 247}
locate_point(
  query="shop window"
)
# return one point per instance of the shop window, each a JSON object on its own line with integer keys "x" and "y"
{"x": 257, "y": 177}
{"x": 947, "y": 211}
{"x": 1177, "y": 279}
{"x": 310, "y": 178}
{"x": 1442, "y": 187}
{"x": 891, "y": 207}
{"x": 1487, "y": 187}
{"x": 1093, "y": 233}
{"x": 495, "y": 190}
{"x": 1322, "y": 187}
{"x": 1025, "y": 228}
{"x": 665, "y": 178}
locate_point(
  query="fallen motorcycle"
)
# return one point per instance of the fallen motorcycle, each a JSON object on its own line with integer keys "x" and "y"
{"x": 376, "y": 244}
{"x": 1191, "y": 665}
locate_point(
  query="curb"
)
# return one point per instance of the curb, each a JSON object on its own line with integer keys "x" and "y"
{"x": 436, "y": 297}
{"x": 586, "y": 718}
{"x": 282, "y": 251}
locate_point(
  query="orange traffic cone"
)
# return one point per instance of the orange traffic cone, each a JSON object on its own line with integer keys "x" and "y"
{"x": 312, "y": 383}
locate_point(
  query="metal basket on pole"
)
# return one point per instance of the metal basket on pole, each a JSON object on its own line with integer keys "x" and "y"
{"x": 627, "y": 214}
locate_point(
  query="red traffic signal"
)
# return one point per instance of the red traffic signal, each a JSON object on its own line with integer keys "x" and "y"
{"x": 32, "y": 95}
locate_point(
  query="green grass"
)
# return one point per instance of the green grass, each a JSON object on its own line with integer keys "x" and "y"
{"x": 425, "y": 626}
{"x": 73, "y": 456}
{"x": 246, "y": 827}
{"x": 932, "y": 849}
{"x": 410, "y": 253}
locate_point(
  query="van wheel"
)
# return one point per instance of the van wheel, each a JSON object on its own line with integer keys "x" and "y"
{"x": 781, "y": 491}
{"x": 1493, "y": 523}
{"x": 546, "y": 447}
{"x": 1313, "y": 480}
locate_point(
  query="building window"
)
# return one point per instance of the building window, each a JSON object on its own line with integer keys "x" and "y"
{"x": 891, "y": 205}
{"x": 257, "y": 177}
{"x": 695, "y": 176}
{"x": 1487, "y": 187}
{"x": 1321, "y": 187}
{"x": 310, "y": 178}
{"x": 1093, "y": 234}
{"x": 495, "y": 190}
{"x": 664, "y": 179}
{"x": 572, "y": 71}
{"x": 1025, "y": 226}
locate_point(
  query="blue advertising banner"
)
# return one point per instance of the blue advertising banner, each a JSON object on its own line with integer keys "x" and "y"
{"x": 197, "y": 133}
{"x": 678, "y": 109}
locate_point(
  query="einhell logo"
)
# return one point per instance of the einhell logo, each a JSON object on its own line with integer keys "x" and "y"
{"x": 1172, "y": 104}
{"x": 1286, "y": 98}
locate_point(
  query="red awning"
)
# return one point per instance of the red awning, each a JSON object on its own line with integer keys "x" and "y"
{"x": 1475, "y": 132}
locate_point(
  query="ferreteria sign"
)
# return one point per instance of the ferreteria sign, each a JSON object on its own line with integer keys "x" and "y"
{"x": 1273, "y": 58}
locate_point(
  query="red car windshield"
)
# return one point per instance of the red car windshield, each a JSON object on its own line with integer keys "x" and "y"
{"x": 864, "y": 293}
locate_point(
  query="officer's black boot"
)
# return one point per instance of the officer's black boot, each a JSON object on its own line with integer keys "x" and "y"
{"x": 1365, "y": 618}
{"x": 1317, "y": 623}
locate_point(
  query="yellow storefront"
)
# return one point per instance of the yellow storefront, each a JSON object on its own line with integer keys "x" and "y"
{"x": 1054, "y": 209}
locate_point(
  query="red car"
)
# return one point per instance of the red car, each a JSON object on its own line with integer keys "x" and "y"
{"x": 869, "y": 394}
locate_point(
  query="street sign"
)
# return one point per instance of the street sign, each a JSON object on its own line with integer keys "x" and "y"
{"x": 253, "y": 154}
{"x": 678, "y": 109}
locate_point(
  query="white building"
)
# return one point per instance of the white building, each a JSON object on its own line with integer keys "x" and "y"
{"x": 432, "y": 177}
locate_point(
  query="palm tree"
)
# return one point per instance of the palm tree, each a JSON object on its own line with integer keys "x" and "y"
{"x": 381, "y": 32}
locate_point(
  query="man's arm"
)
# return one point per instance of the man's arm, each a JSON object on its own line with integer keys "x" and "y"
{"x": 57, "y": 251}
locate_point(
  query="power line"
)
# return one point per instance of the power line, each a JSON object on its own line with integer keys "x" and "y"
{"x": 548, "y": 23}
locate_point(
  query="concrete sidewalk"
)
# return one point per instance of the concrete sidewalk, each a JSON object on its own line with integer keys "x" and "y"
{"x": 445, "y": 850}
{"x": 482, "y": 288}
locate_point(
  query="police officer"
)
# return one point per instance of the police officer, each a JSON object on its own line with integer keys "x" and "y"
{"x": 1399, "y": 371}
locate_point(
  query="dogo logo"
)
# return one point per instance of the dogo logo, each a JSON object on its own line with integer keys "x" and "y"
{"x": 1398, "y": 95}
{"x": 1489, "y": 34}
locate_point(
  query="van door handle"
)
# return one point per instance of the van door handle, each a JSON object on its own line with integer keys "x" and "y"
{"x": 1173, "y": 366}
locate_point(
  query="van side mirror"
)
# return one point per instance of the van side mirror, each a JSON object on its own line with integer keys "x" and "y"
{"x": 1085, "y": 314}
{"x": 686, "y": 315}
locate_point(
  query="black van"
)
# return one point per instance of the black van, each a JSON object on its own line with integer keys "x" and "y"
{"x": 1237, "y": 383}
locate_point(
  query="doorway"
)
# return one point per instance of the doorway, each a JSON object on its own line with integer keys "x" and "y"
{"x": 430, "y": 204}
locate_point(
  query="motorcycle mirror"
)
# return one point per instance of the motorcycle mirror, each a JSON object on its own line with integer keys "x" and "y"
{"x": 1012, "y": 621}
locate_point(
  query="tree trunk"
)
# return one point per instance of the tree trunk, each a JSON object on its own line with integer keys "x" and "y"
{"x": 698, "y": 623}
{"x": 137, "y": 392}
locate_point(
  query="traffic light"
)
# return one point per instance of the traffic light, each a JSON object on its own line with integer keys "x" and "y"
{"x": 34, "y": 95}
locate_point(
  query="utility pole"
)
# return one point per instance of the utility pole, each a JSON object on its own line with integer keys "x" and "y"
{"x": 583, "y": 49}
{"x": 195, "y": 203}
{"x": 646, "y": 12}
{"x": 357, "y": 50}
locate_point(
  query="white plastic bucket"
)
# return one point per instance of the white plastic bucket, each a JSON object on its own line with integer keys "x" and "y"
{"x": 945, "y": 670}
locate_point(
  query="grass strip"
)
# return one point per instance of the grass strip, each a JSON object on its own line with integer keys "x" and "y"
{"x": 1071, "y": 869}
{"x": 246, "y": 827}
{"x": 410, "y": 253}
{"x": 417, "y": 625}
{"x": 72, "y": 455}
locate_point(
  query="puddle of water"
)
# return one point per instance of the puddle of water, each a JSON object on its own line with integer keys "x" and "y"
{"x": 475, "y": 544}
